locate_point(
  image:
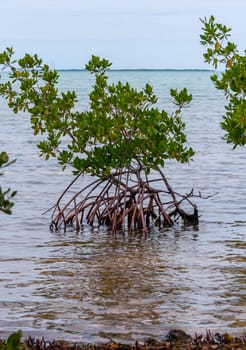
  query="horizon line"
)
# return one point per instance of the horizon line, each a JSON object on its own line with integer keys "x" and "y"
{"x": 140, "y": 69}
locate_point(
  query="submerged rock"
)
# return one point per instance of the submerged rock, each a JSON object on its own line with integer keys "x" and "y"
{"x": 178, "y": 335}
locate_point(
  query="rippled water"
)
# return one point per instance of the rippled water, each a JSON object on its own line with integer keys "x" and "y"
{"x": 95, "y": 286}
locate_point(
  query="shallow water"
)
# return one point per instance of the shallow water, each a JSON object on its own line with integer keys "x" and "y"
{"x": 94, "y": 286}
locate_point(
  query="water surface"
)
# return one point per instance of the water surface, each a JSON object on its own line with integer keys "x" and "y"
{"x": 94, "y": 286}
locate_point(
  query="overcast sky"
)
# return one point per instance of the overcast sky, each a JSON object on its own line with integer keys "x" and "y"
{"x": 130, "y": 33}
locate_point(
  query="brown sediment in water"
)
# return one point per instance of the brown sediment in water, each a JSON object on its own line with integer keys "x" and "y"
{"x": 175, "y": 340}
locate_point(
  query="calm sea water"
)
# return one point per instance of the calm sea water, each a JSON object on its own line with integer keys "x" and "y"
{"x": 96, "y": 286}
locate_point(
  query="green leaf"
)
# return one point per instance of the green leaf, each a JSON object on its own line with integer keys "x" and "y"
{"x": 14, "y": 341}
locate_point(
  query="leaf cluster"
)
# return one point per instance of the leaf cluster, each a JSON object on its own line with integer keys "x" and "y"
{"x": 219, "y": 48}
{"x": 121, "y": 127}
{"x": 232, "y": 81}
{"x": 6, "y": 196}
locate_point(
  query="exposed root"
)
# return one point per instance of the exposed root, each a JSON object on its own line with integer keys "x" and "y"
{"x": 124, "y": 199}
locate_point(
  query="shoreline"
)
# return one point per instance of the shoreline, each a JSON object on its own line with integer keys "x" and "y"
{"x": 176, "y": 339}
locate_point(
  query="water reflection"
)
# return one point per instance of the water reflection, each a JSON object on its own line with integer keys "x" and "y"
{"x": 105, "y": 286}
{"x": 233, "y": 299}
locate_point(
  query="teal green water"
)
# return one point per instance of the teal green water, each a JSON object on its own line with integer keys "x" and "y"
{"x": 96, "y": 286}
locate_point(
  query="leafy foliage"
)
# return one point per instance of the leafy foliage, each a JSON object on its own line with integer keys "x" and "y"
{"x": 6, "y": 196}
{"x": 121, "y": 125}
{"x": 232, "y": 80}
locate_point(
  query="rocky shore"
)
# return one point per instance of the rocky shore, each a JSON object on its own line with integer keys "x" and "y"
{"x": 174, "y": 340}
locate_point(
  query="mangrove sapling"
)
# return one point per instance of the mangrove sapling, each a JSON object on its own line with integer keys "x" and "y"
{"x": 119, "y": 140}
{"x": 232, "y": 81}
